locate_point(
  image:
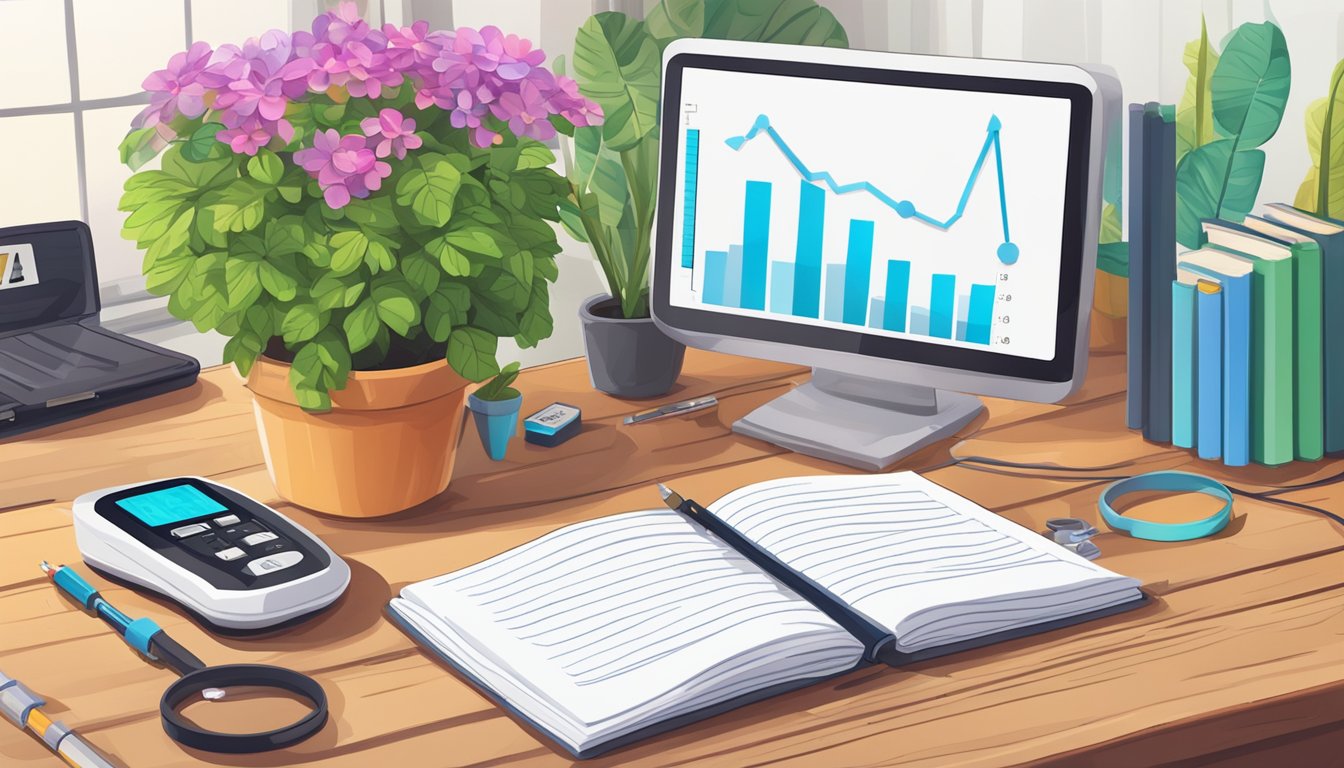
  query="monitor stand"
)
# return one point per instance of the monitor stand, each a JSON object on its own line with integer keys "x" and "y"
{"x": 865, "y": 423}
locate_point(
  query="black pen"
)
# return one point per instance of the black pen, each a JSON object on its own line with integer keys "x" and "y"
{"x": 872, "y": 636}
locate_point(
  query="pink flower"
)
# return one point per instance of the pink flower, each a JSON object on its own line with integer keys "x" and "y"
{"x": 526, "y": 111}
{"x": 176, "y": 89}
{"x": 344, "y": 166}
{"x": 390, "y": 133}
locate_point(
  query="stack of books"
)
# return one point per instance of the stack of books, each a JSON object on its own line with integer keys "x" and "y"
{"x": 1257, "y": 361}
{"x": 1234, "y": 350}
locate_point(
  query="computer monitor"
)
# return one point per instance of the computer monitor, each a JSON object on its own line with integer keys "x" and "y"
{"x": 919, "y": 229}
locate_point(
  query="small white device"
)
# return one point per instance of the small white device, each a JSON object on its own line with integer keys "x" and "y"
{"x": 233, "y": 561}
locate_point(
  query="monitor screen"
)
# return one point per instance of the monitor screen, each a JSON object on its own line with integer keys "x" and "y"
{"x": 910, "y": 215}
{"x": 170, "y": 505}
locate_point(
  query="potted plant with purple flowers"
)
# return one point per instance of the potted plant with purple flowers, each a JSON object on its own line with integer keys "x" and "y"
{"x": 364, "y": 212}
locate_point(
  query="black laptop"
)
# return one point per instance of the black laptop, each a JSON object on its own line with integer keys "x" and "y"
{"x": 56, "y": 363}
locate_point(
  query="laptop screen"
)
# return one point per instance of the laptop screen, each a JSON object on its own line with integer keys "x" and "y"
{"x": 46, "y": 275}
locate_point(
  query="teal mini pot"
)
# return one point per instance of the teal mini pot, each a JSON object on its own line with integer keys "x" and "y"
{"x": 496, "y": 421}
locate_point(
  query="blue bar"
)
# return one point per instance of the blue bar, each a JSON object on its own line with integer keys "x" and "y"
{"x": 919, "y": 320}
{"x": 876, "y": 316}
{"x": 898, "y": 295}
{"x": 716, "y": 269}
{"x": 963, "y": 307}
{"x": 732, "y": 278}
{"x": 807, "y": 273}
{"x": 755, "y": 244}
{"x": 835, "y": 292}
{"x": 961, "y": 330}
{"x": 688, "y": 220}
{"x": 858, "y": 268}
{"x": 941, "y": 299}
{"x": 781, "y": 287}
{"x": 981, "y": 314}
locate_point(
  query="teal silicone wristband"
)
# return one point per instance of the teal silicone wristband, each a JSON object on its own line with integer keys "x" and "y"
{"x": 1166, "y": 481}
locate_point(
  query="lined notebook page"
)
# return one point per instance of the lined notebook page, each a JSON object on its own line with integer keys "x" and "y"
{"x": 909, "y": 554}
{"x": 603, "y": 621}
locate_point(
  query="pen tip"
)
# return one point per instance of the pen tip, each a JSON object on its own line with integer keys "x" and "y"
{"x": 46, "y": 567}
{"x": 664, "y": 491}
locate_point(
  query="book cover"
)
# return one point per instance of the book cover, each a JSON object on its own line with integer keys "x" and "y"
{"x": 1160, "y": 269}
{"x": 1234, "y": 275}
{"x": 1137, "y": 374}
{"x": 1329, "y": 236}
{"x": 1308, "y": 380}
{"x": 1272, "y": 347}
{"x": 1183, "y": 364}
{"x": 1209, "y": 369}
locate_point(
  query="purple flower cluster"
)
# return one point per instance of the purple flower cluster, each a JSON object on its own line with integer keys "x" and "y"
{"x": 486, "y": 79}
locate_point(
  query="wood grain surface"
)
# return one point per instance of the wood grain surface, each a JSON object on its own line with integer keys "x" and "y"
{"x": 1240, "y": 660}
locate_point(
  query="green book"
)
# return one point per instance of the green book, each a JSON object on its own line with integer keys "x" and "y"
{"x": 1308, "y": 360}
{"x": 1273, "y": 391}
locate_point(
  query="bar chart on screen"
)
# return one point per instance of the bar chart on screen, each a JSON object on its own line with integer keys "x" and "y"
{"x": 884, "y": 210}
{"x": 743, "y": 275}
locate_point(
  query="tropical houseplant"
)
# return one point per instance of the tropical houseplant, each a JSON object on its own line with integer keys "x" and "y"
{"x": 363, "y": 213}
{"x": 612, "y": 169}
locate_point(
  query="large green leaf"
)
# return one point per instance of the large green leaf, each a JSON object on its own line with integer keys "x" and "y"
{"x": 797, "y": 22}
{"x": 1323, "y": 190}
{"x": 239, "y": 207}
{"x": 1250, "y": 84}
{"x": 616, "y": 65}
{"x": 429, "y": 189}
{"x": 396, "y": 305}
{"x": 1194, "y": 113}
{"x": 361, "y": 325}
{"x": 202, "y": 144}
{"x": 1200, "y": 191}
{"x": 471, "y": 352}
{"x": 671, "y": 19}
{"x": 302, "y": 322}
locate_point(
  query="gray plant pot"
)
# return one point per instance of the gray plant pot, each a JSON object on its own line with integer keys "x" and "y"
{"x": 627, "y": 358}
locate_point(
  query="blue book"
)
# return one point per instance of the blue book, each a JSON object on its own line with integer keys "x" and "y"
{"x": 1234, "y": 275}
{"x": 1208, "y": 369}
{"x": 1183, "y": 325}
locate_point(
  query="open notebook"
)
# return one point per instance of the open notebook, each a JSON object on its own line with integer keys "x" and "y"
{"x": 607, "y": 631}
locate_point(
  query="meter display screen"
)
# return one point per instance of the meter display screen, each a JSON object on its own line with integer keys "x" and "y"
{"x": 170, "y": 505}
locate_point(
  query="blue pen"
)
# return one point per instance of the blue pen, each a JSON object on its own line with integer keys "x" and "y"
{"x": 144, "y": 635}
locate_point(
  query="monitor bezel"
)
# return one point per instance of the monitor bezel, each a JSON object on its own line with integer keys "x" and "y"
{"x": 764, "y": 337}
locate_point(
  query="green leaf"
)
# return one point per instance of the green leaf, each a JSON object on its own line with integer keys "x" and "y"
{"x": 333, "y": 292}
{"x": 609, "y": 185}
{"x": 1113, "y": 258}
{"x": 1112, "y": 229}
{"x": 616, "y": 64}
{"x": 301, "y": 323}
{"x": 671, "y": 19}
{"x": 350, "y": 246}
{"x": 361, "y": 325}
{"x": 374, "y": 213}
{"x": 422, "y": 271}
{"x": 174, "y": 238}
{"x": 395, "y": 305}
{"x": 164, "y": 273}
{"x": 243, "y": 275}
{"x": 1200, "y": 190}
{"x": 498, "y": 387}
{"x": 1194, "y": 114}
{"x": 796, "y": 22}
{"x": 475, "y": 239}
{"x": 239, "y": 207}
{"x": 291, "y": 185}
{"x": 1322, "y": 192}
{"x": 265, "y": 167}
{"x": 202, "y": 144}
{"x": 534, "y": 155}
{"x": 243, "y": 350}
{"x": 285, "y": 235}
{"x": 536, "y": 323}
{"x": 429, "y": 188}
{"x": 1250, "y": 84}
{"x": 201, "y": 174}
{"x": 320, "y": 366}
{"x": 471, "y": 352}
{"x": 139, "y": 147}
{"x": 278, "y": 280}
{"x": 447, "y": 308}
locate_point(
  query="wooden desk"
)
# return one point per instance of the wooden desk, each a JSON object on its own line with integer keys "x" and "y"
{"x": 1241, "y": 659}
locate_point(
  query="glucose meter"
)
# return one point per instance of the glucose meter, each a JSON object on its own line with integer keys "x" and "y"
{"x": 230, "y": 559}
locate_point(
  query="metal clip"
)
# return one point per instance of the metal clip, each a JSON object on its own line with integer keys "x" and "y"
{"x": 1074, "y": 534}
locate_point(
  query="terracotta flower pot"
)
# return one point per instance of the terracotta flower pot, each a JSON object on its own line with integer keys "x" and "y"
{"x": 387, "y": 444}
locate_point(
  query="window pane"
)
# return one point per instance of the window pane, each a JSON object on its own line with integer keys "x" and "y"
{"x": 233, "y": 21}
{"x": 35, "y": 29}
{"x": 39, "y": 174}
{"x": 120, "y": 43}
{"x": 105, "y": 177}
